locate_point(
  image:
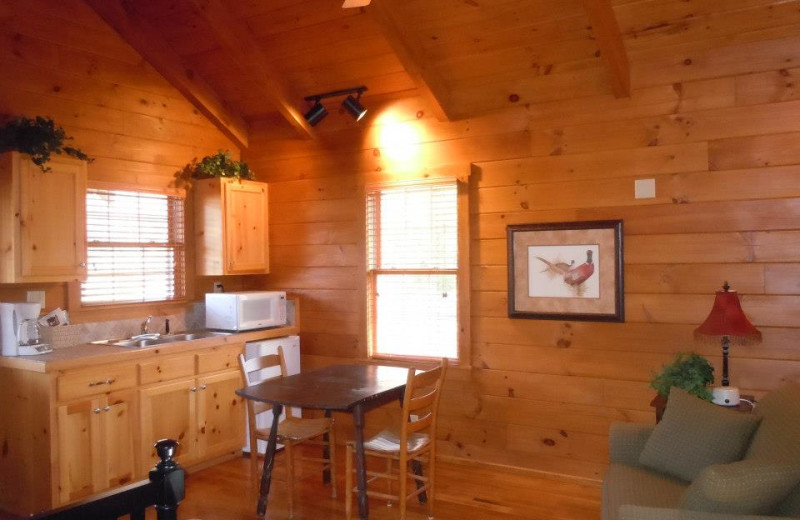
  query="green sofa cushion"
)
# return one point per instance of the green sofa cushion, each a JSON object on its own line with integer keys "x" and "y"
{"x": 628, "y": 485}
{"x": 777, "y": 437}
{"x": 694, "y": 434}
{"x": 745, "y": 487}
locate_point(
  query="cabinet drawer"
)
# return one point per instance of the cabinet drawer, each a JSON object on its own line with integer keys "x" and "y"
{"x": 219, "y": 358}
{"x": 157, "y": 370}
{"x": 95, "y": 380}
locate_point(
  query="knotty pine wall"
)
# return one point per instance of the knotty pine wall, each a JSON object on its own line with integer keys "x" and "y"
{"x": 721, "y": 139}
{"x": 59, "y": 59}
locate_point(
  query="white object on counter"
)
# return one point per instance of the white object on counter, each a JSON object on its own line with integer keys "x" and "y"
{"x": 8, "y": 336}
{"x": 291, "y": 354}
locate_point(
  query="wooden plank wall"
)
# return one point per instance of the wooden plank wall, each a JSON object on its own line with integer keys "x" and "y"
{"x": 719, "y": 137}
{"x": 58, "y": 59}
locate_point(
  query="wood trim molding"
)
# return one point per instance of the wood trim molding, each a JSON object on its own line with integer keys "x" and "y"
{"x": 431, "y": 86}
{"x": 246, "y": 52}
{"x": 609, "y": 39}
{"x": 121, "y": 15}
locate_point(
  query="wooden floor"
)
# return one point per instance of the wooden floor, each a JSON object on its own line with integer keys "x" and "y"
{"x": 464, "y": 492}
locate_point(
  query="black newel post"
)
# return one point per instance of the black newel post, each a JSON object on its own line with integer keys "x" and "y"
{"x": 167, "y": 478}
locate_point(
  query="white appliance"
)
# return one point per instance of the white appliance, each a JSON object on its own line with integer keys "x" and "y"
{"x": 291, "y": 354}
{"x": 236, "y": 311}
{"x": 19, "y": 329}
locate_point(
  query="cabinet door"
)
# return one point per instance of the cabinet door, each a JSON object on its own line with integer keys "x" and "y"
{"x": 119, "y": 422}
{"x": 246, "y": 227}
{"x": 220, "y": 413}
{"x": 168, "y": 411}
{"x": 80, "y": 443}
{"x": 52, "y": 221}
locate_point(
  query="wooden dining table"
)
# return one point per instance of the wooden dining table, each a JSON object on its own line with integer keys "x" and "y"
{"x": 353, "y": 389}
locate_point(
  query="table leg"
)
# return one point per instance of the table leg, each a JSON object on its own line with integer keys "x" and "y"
{"x": 361, "y": 470}
{"x": 269, "y": 461}
{"x": 326, "y": 452}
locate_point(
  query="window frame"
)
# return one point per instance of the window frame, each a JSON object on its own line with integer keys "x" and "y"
{"x": 462, "y": 273}
{"x": 74, "y": 300}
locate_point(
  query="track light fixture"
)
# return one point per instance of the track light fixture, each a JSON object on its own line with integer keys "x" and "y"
{"x": 351, "y": 103}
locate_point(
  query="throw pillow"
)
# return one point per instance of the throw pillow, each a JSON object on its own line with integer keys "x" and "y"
{"x": 694, "y": 434}
{"x": 746, "y": 487}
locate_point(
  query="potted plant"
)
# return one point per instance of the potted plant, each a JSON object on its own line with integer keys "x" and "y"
{"x": 221, "y": 164}
{"x": 689, "y": 371}
{"x": 39, "y": 138}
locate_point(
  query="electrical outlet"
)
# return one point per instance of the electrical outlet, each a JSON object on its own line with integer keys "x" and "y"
{"x": 36, "y": 297}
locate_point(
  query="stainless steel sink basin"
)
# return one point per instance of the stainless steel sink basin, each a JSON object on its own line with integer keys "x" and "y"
{"x": 153, "y": 339}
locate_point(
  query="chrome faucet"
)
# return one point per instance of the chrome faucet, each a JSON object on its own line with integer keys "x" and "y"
{"x": 146, "y": 324}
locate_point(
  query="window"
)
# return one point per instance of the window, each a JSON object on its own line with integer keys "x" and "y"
{"x": 136, "y": 247}
{"x": 412, "y": 262}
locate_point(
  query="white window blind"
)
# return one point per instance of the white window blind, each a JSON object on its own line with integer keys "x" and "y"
{"x": 412, "y": 248}
{"x": 136, "y": 247}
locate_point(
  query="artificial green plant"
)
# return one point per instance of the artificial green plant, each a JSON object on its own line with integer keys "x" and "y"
{"x": 39, "y": 138}
{"x": 689, "y": 371}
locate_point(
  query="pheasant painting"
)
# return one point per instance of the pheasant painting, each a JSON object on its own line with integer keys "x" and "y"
{"x": 571, "y": 275}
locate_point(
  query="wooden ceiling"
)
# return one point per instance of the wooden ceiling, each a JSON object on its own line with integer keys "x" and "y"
{"x": 249, "y": 63}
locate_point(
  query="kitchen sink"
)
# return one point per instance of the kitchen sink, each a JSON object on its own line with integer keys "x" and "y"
{"x": 151, "y": 340}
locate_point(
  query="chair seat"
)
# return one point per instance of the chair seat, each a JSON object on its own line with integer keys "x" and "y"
{"x": 388, "y": 441}
{"x": 297, "y": 429}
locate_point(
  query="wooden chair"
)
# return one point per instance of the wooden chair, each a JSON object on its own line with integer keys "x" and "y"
{"x": 292, "y": 431}
{"x": 412, "y": 442}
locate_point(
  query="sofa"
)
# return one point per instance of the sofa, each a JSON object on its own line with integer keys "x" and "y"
{"x": 706, "y": 462}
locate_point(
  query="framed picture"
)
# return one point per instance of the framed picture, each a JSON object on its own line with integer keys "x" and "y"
{"x": 566, "y": 271}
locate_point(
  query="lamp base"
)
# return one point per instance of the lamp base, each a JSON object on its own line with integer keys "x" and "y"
{"x": 725, "y": 396}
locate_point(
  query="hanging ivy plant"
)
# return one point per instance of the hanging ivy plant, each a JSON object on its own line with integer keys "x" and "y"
{"x": 39, "y": 138}
{"x": 221, "y": 164}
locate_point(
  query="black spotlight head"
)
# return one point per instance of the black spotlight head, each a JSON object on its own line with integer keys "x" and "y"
{"x": 354, "y": 107}
{"x": 316, "y": 114}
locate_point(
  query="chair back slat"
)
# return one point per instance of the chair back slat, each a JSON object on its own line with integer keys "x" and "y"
{"x": 423, "y": 390}
{"x": 254, "y": 371}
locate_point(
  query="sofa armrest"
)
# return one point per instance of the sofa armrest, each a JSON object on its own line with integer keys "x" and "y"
{"x": 630, "y": 512}
{"x": 626, "y": 442}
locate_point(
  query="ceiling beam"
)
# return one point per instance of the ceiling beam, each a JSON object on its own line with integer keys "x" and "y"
{"x": 609, "y": 39}
{"x": 135, "y": 30}
{"x": 246, "y": 52}
{"x": 428, "y": 81}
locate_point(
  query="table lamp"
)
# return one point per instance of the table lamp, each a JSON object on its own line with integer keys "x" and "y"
{"x": 727, "y": 321}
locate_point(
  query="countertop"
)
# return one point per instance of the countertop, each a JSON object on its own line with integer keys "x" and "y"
{"x": 89, "y": 354}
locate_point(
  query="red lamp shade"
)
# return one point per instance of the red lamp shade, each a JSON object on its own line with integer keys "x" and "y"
{"x": 728, "y": 319}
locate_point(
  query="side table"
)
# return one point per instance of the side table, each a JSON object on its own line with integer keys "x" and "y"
{"x": 746, "y": 405}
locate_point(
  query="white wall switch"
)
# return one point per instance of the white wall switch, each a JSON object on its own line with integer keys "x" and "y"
{"x": 36, "y": 297}
{"x": 644, "y": 188}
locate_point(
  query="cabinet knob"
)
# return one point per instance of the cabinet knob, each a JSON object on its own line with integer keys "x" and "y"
{"x": 106, "y": 408}
{"x": 193, "y": 389}
{"x": 96, "y": 410}
{"x": 203, "y": 387}
{"x": 82, "y": 264}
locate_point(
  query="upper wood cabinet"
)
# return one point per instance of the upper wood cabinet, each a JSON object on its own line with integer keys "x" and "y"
{"x": 42, "y": 220}
{"x": 232, "y": 227}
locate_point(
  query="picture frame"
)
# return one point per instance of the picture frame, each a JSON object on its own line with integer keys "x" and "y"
{"x": 570, "y": 271}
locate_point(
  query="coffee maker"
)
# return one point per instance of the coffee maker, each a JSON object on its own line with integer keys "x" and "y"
{"x": 19, "y": 330}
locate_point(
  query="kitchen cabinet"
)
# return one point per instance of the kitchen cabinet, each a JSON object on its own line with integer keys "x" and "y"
{"x": 42, "y": 220}
{"x": 231, "y": 226}
{"x": 95, "y": 444}
{"x": 202, "y": 413}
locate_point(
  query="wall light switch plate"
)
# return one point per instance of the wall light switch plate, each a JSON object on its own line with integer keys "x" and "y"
{"x": 36, "y": 297}
{"x": 644, "y": 188}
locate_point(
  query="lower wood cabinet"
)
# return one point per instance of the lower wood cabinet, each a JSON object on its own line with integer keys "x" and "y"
{"x": 95, "y": 444}
{"x": 203, "y": 414}
{"x": 71, "y": 433}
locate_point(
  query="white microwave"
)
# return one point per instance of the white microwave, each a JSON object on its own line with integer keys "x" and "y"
{"x": 236, "y": 311}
